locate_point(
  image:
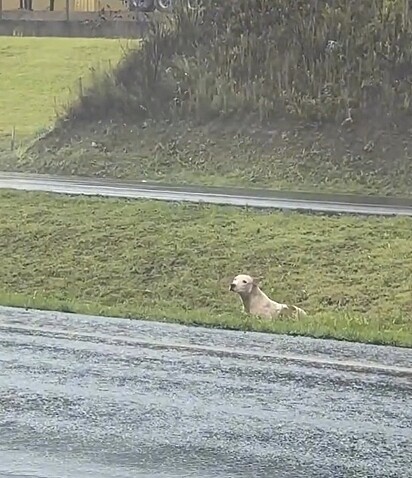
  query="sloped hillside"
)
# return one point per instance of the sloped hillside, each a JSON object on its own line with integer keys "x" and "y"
{"x": 298, "y": 95}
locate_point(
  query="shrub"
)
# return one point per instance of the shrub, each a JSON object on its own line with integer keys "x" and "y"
{"x": 316, "y": 60}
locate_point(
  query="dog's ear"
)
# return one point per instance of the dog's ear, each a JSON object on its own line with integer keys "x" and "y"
{"x": 255, "y": 281}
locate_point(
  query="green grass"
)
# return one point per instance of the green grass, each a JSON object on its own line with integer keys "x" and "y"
{"x": 40, "y": 75}
{"x": 205, "y": 105}
{"x": 160, "y": 261}
{"x": 229, "y": 153}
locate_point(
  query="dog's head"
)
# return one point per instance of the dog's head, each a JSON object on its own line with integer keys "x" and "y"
{"x": 243, "y": 284}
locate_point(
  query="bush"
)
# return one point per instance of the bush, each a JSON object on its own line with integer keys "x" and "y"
{"x": 316, "y": 60}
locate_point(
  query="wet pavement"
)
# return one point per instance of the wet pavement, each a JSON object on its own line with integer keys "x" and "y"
{"x": 260, "y": 198}
{"x": 94, "y": 397}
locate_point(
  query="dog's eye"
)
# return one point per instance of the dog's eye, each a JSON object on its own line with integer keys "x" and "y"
{"x": 244, "y": 281}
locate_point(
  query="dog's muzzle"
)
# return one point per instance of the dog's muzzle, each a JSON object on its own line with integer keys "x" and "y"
{"x": 232, "y": 287}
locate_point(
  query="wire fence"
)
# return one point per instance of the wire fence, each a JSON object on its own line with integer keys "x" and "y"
{"x": 49, "y": 10}
{"x": 76, "y": 9}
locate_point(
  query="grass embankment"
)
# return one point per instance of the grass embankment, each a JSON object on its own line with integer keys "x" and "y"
{"x": 294, "y": 95}
{"x": 174, "y": 262}
{"x": 39, "y": 76}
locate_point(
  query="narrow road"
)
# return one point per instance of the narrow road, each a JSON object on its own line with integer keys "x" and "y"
{"x": 94, "y": 397}
{"x": 229, "y": 196}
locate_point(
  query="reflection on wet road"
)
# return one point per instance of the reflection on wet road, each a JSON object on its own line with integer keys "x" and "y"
{"x": 92, "y": 397}
{"x": 330, "y": 203}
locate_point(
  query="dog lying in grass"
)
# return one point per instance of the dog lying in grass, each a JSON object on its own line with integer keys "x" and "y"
{"x": 255, "y": 302}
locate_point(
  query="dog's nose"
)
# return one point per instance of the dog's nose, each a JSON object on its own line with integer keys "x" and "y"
{"x": 232, "y": 286}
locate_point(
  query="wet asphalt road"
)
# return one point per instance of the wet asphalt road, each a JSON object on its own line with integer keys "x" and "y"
{"x": 93, "y": 397}
{"x": 284, "y": 200}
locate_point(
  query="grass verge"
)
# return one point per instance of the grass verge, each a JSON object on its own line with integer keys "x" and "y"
{"x": 289, "y": 156}
{"x": 148, "y": 259}
{"x": 267, "y": 93}
{"x": 39, "y": 76}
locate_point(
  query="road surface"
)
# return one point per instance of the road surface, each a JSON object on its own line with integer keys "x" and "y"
{"x": 229, "y": 196}
{"x": 112, "y": 398}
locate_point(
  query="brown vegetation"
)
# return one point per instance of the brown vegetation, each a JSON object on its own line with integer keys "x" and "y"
{"x": 299, "y": 95}
{"x": 315, "y": 60}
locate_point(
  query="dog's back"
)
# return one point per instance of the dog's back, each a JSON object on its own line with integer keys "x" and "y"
{"x": 264, "y": 306}
{"x": 293, "y": 311}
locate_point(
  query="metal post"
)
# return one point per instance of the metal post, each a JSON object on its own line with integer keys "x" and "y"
{"x": 1, "y": 9}
{"x": 67, "y": 10}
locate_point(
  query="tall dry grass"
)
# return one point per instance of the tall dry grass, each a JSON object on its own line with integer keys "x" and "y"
{"x": 313, "y": 59}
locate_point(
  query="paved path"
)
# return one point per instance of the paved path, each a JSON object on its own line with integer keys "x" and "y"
{"x": 93, "y": 397}
{"x": 230, "y": 196}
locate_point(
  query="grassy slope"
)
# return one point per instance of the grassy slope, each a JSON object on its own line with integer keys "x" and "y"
{"x": 39, "y": 75}
{"x": 170, "y": 261}
{"x": 290, "y": 156}
{"x": 283, "y": 72}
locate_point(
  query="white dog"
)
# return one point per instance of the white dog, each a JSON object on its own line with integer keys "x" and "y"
{"x": 256, "y": 302}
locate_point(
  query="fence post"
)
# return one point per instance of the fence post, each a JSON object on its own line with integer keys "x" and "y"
{"x": 1, "y": 9}
{"x": 67, "y": 10}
